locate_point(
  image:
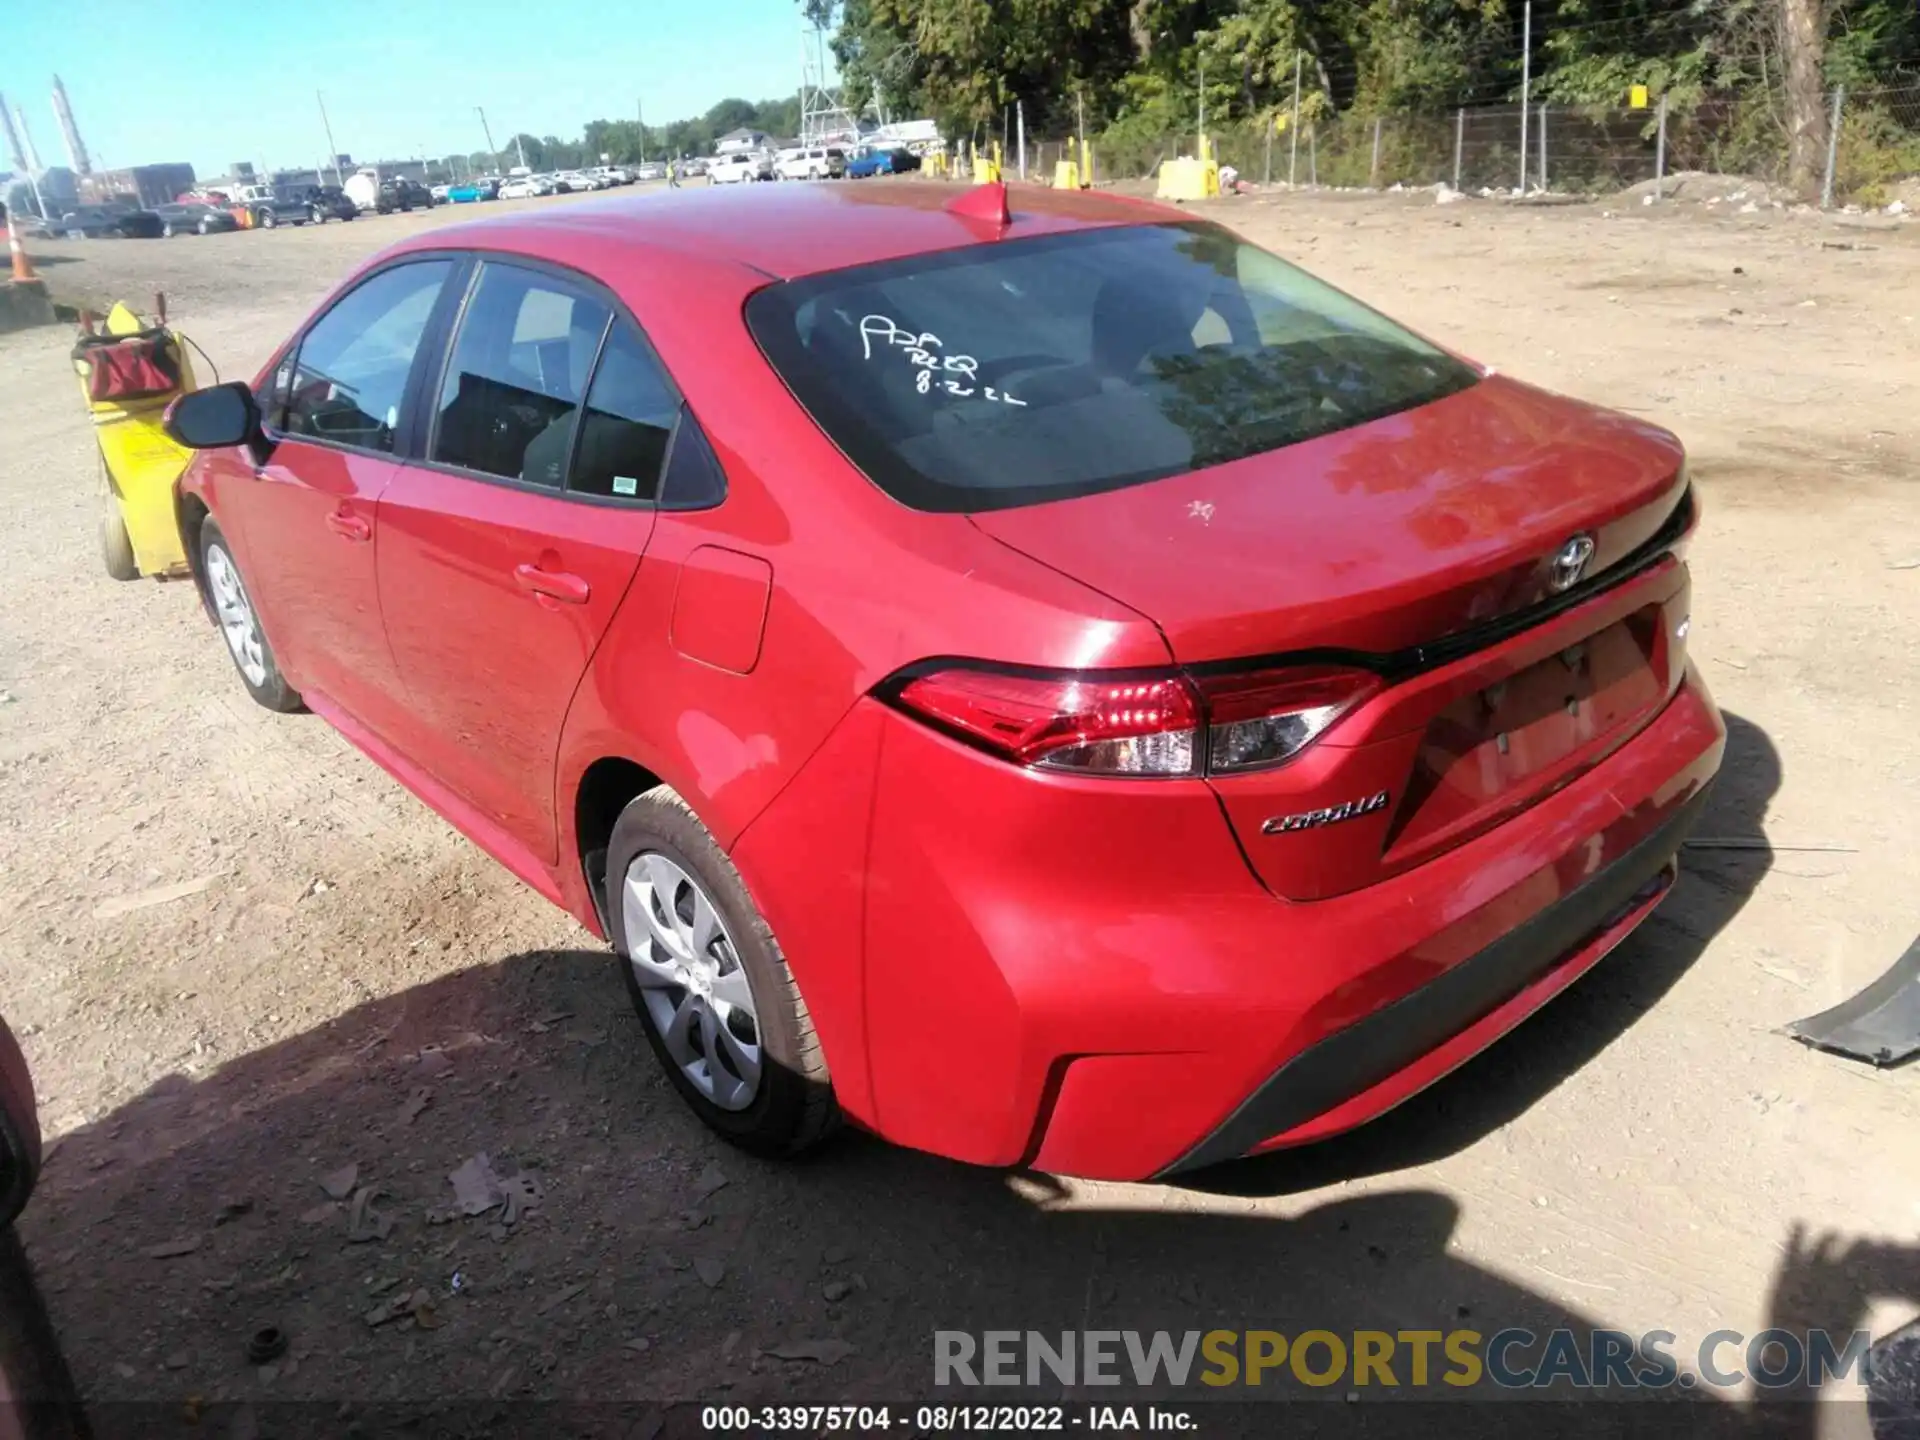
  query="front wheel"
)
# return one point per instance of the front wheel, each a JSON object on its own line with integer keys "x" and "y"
{"x": 233, "y": 611}
{"x": 715, "y": 996}
{"x": 268, "y": 220}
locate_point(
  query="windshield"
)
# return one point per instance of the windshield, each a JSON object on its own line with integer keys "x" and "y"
{"x": 1023, "y": 371}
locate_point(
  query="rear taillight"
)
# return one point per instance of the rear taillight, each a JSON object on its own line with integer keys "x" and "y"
{"x": 1161, "y": 724}
{"x": 1101, "y": 726}
{"x": 1269, "y": 716}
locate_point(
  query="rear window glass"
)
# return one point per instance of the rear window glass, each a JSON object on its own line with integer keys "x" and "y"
{"x": 1029, "y": 370}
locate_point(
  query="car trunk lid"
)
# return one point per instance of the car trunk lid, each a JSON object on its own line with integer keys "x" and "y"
{"x": 1435, "y": 546}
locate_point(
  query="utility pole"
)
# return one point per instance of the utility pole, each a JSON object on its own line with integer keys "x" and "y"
{"x": 1526, "y": 80}
{"x": 1293, "y": 139}
{"x": 640, "y": 118}
{"x": 1020, "y": 119}
{"x": 487, "y": 130}
{"x": 333, "y": 150}
{"x": 520, "y": 149}
{"x": 1201, "y": 129}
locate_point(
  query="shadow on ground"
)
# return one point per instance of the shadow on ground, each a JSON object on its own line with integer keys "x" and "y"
{"x": 660, "y": 1266}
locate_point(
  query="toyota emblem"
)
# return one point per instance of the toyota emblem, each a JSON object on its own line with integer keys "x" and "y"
{"x": 1570, "y": 563}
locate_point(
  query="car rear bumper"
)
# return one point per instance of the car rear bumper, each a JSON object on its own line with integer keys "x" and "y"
{"x": 1084, "y": 976}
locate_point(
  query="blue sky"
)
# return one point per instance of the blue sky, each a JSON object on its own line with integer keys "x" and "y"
{"x": 401, "y": 77}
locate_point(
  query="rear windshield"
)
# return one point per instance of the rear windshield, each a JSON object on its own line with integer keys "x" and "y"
{"x": 1027, "y": 370}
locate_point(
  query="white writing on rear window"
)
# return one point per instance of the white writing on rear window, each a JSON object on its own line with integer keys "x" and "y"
{"x": 937, "y": 373}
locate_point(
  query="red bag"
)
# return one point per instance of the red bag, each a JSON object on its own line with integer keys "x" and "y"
{"x": 129, "y": 367}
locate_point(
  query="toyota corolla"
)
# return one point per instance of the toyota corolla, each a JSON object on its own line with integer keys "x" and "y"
{"x": 1058, "y": 687}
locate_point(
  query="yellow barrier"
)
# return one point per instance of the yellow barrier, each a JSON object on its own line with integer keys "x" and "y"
{"x": 1066, "y": 175}
{"x": 1188, "y": 179}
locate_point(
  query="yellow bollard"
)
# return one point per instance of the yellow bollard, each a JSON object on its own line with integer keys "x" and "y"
{"x": 1066, "y": 175}
{"x": 986, "y": 171}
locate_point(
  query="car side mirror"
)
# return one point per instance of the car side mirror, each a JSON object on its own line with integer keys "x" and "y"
{"x": 217, "y": 418}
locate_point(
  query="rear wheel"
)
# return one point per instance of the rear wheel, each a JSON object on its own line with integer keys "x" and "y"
{"x": 719, "y": 1005}
{"x": 116, "y": 546}
{"x": 239, "y": 626}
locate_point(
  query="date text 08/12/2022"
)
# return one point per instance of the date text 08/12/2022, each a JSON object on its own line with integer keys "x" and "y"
{"x": 943, "y": 1419}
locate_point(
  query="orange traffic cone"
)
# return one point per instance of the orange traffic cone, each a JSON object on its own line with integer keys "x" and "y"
{"x": 22, "y": 266}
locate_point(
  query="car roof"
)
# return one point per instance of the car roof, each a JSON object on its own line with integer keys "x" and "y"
{"x": 792, "y": 230}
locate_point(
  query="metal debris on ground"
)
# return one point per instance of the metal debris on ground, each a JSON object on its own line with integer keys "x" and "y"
{"x": 560, "y": 1297}
{"x": 712, "y": 1179}
{"x": 1760, "y": 842}
{"x": 365, "y": 1223}
{"x": 821, "y": 1352}
{"x": 145, "y": 899}
{"x": 339, "y": 1183}
{"x": 476, "y": 1189}
{"x": 418, "y": 1101}
{"x": 170, "y": 1249}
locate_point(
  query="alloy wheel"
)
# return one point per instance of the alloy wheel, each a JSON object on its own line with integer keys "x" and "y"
{"x": 235, "y": 612}
{"x": 695, "y": 989}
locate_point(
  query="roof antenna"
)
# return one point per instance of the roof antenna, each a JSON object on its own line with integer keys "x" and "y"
{"x": 986, "y": 202}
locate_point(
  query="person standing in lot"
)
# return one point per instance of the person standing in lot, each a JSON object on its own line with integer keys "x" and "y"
{"x": 673, "y": 174}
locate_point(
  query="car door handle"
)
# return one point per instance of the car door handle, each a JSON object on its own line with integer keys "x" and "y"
{"x": 343, "y": 522}
{"x": 554, "y": 584}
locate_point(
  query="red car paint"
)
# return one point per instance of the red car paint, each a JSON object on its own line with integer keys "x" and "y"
{"x": 1008, "y": 965}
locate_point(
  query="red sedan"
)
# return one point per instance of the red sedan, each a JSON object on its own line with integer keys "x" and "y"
{"x": 1063, "y": 688}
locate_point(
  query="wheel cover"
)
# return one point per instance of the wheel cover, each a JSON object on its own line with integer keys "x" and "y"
{"x": 235, "y": 613}
{"x": 691, "y": 980}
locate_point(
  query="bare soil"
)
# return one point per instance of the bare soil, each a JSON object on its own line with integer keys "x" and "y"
{"x": 356, "y": 985}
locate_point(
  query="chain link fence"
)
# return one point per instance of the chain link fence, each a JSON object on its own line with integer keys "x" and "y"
{"x": 1568, "y": 149}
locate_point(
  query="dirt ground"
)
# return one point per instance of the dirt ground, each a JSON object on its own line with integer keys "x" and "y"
{"x": 354, "y": 984}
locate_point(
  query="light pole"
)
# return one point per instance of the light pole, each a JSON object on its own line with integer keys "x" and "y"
{"x": 333, "y": 151}
{"x": 487, "y": 130}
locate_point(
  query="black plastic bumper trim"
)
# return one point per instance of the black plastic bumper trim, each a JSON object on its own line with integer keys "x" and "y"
{"x": 1350, "y": 1061}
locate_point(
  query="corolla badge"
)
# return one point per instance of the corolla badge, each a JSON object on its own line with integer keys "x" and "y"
{"x": 1570, "y": 563}
{"x": 1331, "y": 815}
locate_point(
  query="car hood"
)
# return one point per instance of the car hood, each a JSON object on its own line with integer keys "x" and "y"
{"x": 1394, "y": 533}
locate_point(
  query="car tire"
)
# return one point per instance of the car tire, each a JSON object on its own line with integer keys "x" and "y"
{"x": 166, "y": 230}
{"x": 204, "y": 228}
{"x": 231, "y": 605}
{"x": 268, "y": 220}
{"x": 769, "y": 1094}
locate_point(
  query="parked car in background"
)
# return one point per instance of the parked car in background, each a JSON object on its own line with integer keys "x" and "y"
{"x": 261, "y": 207}
{"x": 870, "y": 160}
{"x": 738, "y": 166}
{"x": 526, "y": 187}
{"x": 439, "y": 192}
{"x": 1373, "y": 659}
{"x": 650, "y": 170}
{"x": 398, "y": 193}
{"x": 329, "y": 202}
{"x": 692, "y": 166}
{"x": 817, "y": 162}
{"x": 98, "y": 222}
{"x": 178, "y": 219}
{"x": 473, "y": 191}
{"x": 610, "y": 176}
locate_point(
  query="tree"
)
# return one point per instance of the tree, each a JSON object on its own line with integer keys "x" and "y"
{"x": 1803, "y": 45}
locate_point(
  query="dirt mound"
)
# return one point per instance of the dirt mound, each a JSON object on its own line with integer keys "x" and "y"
{"x": 1704, "y": 187}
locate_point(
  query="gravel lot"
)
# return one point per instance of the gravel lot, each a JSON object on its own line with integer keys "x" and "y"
{"x": 357, "y": 985}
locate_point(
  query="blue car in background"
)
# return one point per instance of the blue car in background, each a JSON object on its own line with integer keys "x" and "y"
{"x": 870, "y": 160}
{"x": 473, "y": 191}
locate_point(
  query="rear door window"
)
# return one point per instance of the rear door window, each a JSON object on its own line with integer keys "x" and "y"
{"x": 992, "y": 376}
{"x": 517, "y": 375}
{"x": 629, "y": 418}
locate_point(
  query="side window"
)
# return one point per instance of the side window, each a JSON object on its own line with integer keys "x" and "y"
{"x": 518, "y": 371}
{"x": 630, "y": 413}
{"x": 350, "y": 374}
